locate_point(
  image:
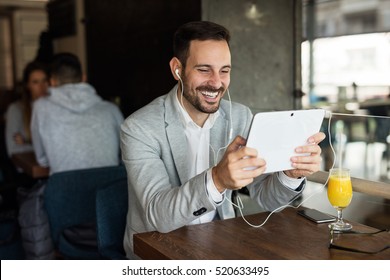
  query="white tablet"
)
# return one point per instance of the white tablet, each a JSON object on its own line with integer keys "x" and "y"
{"x": 275, "y": 135}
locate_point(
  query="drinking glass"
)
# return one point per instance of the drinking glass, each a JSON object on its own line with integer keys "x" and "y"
{"x": 340, "y": 195}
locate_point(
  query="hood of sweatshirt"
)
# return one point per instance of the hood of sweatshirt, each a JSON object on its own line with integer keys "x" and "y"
{"x": 77, "y": 97}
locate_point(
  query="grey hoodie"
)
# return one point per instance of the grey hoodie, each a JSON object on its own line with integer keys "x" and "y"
{"x": 73, "y": 128}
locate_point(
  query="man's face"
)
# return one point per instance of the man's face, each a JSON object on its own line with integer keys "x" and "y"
{"x": 206, "y": 75}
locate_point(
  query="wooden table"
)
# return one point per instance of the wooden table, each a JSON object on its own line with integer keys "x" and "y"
{"x": 286, "y": 235}
{"x": 28, "y": 163}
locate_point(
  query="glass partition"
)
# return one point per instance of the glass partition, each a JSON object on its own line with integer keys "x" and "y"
{"x": 361, "y": 143}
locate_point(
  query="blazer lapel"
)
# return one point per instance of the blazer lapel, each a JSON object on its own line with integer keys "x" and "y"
{"x": 176, "y": 136}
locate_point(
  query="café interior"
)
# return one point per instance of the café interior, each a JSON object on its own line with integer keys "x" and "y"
{"x": 286, "y": 55}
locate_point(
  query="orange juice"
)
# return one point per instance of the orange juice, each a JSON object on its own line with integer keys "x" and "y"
{"x": 339, "y": 190}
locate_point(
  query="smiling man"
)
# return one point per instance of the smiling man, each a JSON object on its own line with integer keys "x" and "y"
{"x": 181, "y": 158}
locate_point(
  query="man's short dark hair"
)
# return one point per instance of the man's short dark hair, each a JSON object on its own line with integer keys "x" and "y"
{"x": 196, "y": 30}
{"x": 66, "y": 68}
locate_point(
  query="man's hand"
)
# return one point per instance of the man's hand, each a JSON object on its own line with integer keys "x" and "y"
{"x": 307, "y": 165}
{"x": 231, "y": 172}
{"x": 19, "y": 139}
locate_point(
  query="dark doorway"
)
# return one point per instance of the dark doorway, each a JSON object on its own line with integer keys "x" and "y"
{"x": 129, "y": 45}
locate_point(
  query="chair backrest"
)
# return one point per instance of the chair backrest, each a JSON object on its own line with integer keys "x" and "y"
{"x": 70, "y": 200}
{"x": 111, "y": 212}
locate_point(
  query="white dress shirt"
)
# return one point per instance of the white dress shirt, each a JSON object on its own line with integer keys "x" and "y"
{"x": 198, "y": 140}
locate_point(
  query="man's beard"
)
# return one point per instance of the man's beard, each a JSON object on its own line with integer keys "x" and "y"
{"x": 195, "y": 100}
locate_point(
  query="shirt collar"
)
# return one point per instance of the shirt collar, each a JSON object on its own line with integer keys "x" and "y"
{"x": 188, "y": 122}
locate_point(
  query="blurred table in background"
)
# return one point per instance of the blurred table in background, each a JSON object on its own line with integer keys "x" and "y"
{"x": 375, "y": 102}
{"x": 28, "y": 163}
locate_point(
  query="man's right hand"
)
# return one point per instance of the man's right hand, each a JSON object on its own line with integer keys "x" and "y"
{"x": 238, "y": 166}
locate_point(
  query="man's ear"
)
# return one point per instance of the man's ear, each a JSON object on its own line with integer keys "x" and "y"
{"x": 175, "y": 64}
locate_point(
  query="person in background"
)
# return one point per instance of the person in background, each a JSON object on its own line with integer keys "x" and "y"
{"x": 184, "y": 152}
{"x": 18, "y": 139}
{"x": 18, "y": 115}
{"x": 73, "y": 128}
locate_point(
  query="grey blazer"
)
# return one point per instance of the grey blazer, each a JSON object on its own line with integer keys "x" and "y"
{"x": 162, "y": 197}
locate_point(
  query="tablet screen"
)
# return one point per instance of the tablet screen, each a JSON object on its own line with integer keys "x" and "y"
{"x": 275, "y": 135}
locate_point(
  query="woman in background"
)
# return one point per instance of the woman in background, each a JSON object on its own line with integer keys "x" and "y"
{"x": 18, "y": 116}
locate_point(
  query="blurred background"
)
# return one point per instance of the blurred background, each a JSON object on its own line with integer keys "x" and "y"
{"x": 286, "y": 54}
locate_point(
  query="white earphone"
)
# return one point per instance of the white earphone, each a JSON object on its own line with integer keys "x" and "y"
{"x": 177, "y": 73}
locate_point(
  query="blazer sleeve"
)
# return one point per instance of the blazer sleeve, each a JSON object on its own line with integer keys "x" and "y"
{"x": 161, "y": 201}
{"x": 270, "y": 193}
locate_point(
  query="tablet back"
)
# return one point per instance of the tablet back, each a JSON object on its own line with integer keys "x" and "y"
{"x": 275, "y": 135}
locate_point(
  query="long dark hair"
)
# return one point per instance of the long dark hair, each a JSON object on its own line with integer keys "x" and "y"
{"x": 26, "y": 94}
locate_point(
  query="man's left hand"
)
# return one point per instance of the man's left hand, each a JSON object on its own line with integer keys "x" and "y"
{"x": 307, "y": 165}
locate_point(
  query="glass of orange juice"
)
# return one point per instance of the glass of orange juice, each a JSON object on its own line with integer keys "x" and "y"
{"x": 340, "y": 195}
